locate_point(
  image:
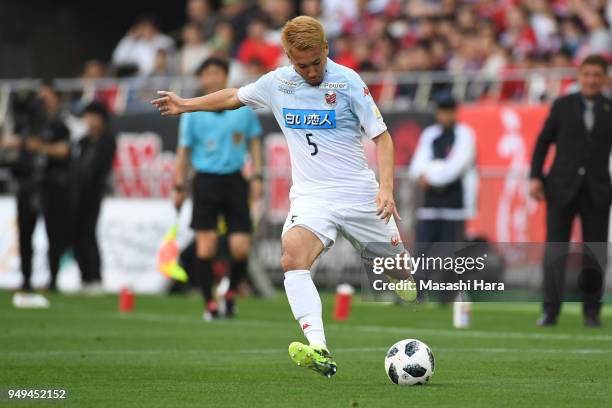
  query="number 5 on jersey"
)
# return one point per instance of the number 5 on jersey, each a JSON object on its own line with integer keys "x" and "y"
{"x": 313, "y": 144}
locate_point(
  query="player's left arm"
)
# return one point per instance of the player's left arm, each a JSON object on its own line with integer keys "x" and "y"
{"x": 385, "y": 203}
{"x": 254, "y": 132}
{"x": 375, "y": 129}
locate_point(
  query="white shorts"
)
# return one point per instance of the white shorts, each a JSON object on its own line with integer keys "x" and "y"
{"x": 357, "y": 223}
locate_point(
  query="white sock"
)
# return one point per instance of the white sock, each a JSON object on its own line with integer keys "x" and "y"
{"x": 306, "y": 305}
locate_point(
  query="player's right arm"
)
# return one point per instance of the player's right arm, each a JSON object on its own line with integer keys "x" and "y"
{"x": 170, "y": 103}
{"x": 256, "y": 95}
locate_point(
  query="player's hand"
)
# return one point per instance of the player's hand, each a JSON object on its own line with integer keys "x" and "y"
{"x": 169, "y": 103}
{"x": 178, "y": 198}
{"x": 536, "y": 189}
{"x": 256, "y": 189}
{"x": 385, "y": 205}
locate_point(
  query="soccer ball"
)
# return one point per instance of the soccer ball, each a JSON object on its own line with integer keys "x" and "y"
{"x": 409, "y": 362}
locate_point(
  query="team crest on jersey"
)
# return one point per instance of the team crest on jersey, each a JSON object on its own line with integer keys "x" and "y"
{"x": 330, "y": 98}
{"x": 237, "y": 138}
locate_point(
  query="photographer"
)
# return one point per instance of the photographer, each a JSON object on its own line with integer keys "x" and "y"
{"x": 42, "y": 173}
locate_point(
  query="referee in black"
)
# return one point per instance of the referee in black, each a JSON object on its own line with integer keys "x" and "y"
{"x": 578, "y": 183}
{"x": 217, "y": 145}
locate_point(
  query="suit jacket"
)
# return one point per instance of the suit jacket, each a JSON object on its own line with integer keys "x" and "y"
{"x": 581, "y": 156}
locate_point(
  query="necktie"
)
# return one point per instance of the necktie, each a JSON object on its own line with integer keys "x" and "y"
{"x": 589, "y": 116}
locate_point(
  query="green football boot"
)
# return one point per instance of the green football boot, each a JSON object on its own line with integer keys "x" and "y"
{"x": 406, "y": 294}
{"x": 316, "y": 358}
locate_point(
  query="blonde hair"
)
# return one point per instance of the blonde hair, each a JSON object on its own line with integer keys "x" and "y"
{"x": 302, "y": 33}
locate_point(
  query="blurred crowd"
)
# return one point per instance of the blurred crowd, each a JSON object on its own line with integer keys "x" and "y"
{"x": 377, "y": 35}
{"x": 487, "y": 37}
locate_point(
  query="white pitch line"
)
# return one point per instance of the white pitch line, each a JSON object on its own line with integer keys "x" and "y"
{"x": 483, "y": 334}
{"x": 407, "y": 331}
{"x": 255, "y": 351}
{"x": 485, "y": 350}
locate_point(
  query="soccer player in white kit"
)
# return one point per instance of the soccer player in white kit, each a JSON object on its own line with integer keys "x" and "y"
{"x": 323, "y": 109}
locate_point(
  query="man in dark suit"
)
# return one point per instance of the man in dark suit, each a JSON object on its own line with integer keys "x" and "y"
{"x": 578, "y": 183}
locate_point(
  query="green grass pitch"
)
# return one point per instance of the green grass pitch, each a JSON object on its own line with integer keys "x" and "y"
{"x": 164, "y": 355}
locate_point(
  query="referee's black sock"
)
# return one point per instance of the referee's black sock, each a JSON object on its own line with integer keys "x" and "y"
{"x": 204, "y": 268}
{"x": 238, "y": 271}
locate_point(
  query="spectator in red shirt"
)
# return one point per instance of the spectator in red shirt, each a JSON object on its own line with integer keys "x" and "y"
{"x": 344, "y": 53}
{"x": 256, "y": 47}
{"x": 518, "y": 36}
{"x": 93, "y": 72}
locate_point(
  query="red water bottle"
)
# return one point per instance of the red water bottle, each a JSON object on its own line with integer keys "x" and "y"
{"x": 344, "y": 298}
{"x": 126, "y": 300}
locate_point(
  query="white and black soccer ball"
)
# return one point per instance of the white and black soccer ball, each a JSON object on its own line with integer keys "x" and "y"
{"x": 409, "y": 362}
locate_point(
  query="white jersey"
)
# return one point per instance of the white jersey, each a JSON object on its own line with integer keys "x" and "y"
{"x": 323, "y": 126}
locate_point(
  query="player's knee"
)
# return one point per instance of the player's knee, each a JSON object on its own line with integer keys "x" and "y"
{"x": 241, "y": 251}
{"x": 290, "y": 262}
{"x": 286, "y": 262}
{"x": 239, "y": 246}
{"x": 205, "y": 253}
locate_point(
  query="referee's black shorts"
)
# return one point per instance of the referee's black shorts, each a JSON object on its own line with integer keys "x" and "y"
{"x": 215, "y": 194}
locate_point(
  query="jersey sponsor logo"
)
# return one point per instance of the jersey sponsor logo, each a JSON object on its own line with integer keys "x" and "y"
{"x": 287, "y": 83}
{"x": 286, "y": 91}
{"x": 309, "y": 118}
{"x": 333, "y": 85}
{"x": 330, "y": 98}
